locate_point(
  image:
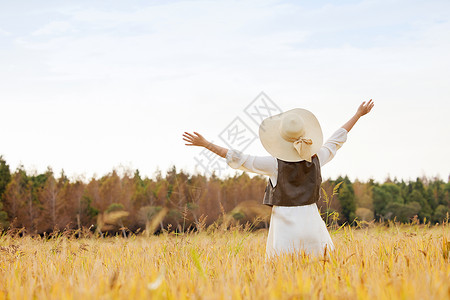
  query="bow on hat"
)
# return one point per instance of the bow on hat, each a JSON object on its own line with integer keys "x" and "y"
{"x": 303, "y": 147}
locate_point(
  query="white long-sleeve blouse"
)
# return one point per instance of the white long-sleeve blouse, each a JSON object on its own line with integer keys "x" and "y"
{"x": 268, "y": 165}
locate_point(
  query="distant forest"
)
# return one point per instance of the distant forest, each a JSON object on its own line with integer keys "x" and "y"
{"x": 178, "y": 201}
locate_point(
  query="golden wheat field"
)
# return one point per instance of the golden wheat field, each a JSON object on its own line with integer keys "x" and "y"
{"x": 377, "y": 262}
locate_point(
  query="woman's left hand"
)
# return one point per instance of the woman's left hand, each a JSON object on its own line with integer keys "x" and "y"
{"x": 365, "y": 108}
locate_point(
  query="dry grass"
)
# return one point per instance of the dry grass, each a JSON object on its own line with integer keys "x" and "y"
{"x": 396, "y": 262}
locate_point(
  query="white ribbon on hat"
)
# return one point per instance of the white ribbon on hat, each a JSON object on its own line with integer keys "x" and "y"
{"x": 303, "y": 147}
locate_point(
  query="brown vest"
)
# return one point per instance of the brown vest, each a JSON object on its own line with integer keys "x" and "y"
{"x": 298, "y": 183}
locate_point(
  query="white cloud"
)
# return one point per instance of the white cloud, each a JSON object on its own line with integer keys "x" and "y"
{"x": 53, "y": 28}
{"x": 4, "y": 32}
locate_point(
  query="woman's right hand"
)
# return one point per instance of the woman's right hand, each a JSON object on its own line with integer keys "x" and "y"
{"x": 195, "y": 139}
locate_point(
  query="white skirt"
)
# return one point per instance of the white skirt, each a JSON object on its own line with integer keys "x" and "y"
{"x": 297, "y": 228}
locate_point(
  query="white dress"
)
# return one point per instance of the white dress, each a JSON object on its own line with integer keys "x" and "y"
{"x": 292, "y": 228}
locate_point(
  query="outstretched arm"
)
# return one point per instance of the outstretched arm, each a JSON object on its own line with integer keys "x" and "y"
{"x": 335, "y": 142}
{"x": 363, "y": 109}
{"x": 263, "y": 165}
{"x": 197, "y": 139}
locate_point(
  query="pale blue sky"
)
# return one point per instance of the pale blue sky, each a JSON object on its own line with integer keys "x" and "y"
{"x": 86, "y": 86}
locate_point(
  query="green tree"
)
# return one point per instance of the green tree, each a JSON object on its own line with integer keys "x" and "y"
{"x": 87, "y": 209}
{"x": 446, "y": 200}
{"x": 387, "y": 199}
{"x": 114, "y": 207}
{"x": 441, "y": 213}
{"x": 381, "y": 198}
{"x": 5, "y": 178}
{"x": 394, "y": 191}
{"x": 425, "y": 211}
{"x": 402, "y": 212}
{"x": 346, "y": 198}
{"x": 3, "y": 217}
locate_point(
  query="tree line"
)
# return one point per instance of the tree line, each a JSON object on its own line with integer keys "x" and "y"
{"x": 177, "y": 200}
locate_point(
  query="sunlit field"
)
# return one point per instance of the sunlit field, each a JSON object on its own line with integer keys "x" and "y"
{"x": 377, "y": 262}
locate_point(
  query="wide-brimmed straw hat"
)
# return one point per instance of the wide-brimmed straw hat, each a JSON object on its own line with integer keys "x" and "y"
{"x": 294, "y": 135}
